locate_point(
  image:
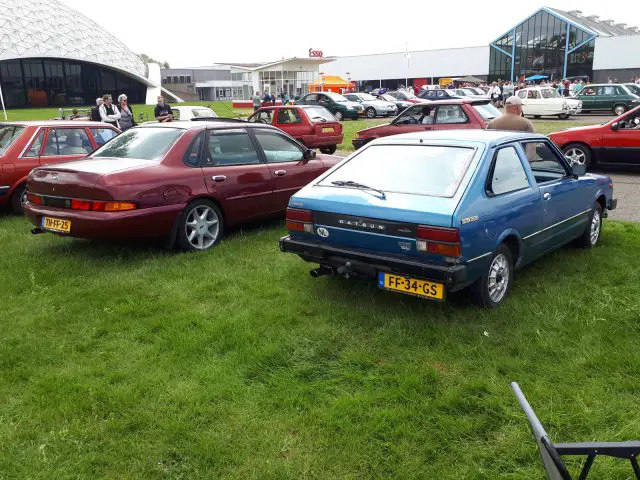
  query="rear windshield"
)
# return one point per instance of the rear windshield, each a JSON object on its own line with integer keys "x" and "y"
{"x": 320, "y": 114}
{"x": 487, "y": 111}
{"x": 8, "y": 135}
{"x": 336, "y": 97}
{"x": 431, "y": 170}
{"x": 141, "y": 143}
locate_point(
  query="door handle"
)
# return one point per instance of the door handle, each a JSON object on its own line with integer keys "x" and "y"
{"x": 280, "y": 173}
{"x": 218, "y": 178}
{"x": 546, "y": 196}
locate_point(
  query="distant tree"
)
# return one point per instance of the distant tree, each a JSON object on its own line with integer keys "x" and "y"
{"x": 147, "y": 59}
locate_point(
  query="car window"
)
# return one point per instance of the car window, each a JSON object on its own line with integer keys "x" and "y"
{"x": 451, "y": 114}
{"x": 416, "y": 115}
{"x": 544, "y": 162}
{"x": 312, "y": 97}
{"x": 192, "y": 155}
{"x": 523, "y": 93}
{"x": 319, "y": 114}
{"x": 416, "y": 169}
{"x": 230, "y": 147}
{"x": 289, "y": 116}
{"x": 507, "y": 174}
{"x": 102, "y": 135}
{"x": 36, "y": 146}
{"x": 607, "y": 90}
{"x": 588, "y": 91}
{"x": 263, "y": 116}
{"x": 146, "y": 143}
{"x": 278, "y": 148}
{"x": 67, "y": 141}
{"x": 487, "y": 111}
{"x": 8, "y": 135}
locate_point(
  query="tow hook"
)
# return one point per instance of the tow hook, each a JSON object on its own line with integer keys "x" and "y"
{"x": 36, "y": 231}
{"x": 321, "y": 271}
{"x": 344, "y": 271}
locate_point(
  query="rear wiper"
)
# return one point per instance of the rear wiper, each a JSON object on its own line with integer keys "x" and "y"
{"x": 319, "y": 118}
{"x": 361, "y": 186}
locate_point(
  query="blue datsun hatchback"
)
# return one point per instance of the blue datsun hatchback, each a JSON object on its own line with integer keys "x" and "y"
{"x": 435, "y": 212}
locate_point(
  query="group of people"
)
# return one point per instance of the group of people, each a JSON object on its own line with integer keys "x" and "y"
{"x": 121, "y": 115}
{"x": 269, "y": 99}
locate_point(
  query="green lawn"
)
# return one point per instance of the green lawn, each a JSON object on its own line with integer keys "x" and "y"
{"x": 124, "y": 361}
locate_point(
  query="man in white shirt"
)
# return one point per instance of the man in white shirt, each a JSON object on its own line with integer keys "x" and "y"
{"x": 109, "y": 112}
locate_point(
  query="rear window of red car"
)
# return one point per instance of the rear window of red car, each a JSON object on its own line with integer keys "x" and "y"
{"x": 320, "y": 114}
{"x": 8, "y": 135}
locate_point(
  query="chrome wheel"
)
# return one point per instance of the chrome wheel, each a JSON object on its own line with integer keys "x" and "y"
{"x": 371, "y": 113}
{"x": 595, "y": 227}
{"x": 338, "y": 116}
{"x": 498, "y": 278}
{"x": 619, "y": 110}
{"x": 23, "y": 198}
{"x": 202, "y": 227}
{"x": 576, "y": 155}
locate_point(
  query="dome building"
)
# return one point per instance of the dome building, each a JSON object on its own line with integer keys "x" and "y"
{"x": 52, "y": 55}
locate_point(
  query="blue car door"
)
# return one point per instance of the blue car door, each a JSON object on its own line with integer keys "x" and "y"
{"x": 565, "y": 201}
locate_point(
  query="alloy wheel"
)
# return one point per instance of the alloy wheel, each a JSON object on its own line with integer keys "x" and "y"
{"x": 619, "y": 110}
{"x": 595, "y": 227}
{"x": 338, "y": 116}
{"x": 23, "y": 198}
{"x": 498, "y": 278}
{"x": 202, "y": 227}
{"x": 576, "y": 155}
{"x": 371, "y": 113}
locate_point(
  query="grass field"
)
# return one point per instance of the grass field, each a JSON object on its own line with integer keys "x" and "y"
{"x": 125, "y": 361}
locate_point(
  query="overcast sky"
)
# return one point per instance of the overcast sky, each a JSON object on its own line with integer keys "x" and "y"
{"x": 192, "y": 33}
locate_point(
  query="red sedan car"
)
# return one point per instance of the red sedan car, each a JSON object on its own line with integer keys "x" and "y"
{"x": 616, "y": 142}
{"x": 311, "y": 125}
{"x": 26, "y": 145}
{"x": 442, "y": 115}
{"x": 184, "y": 181}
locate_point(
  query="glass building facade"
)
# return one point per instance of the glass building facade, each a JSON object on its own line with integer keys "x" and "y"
{"x": 539, "y": 46}
{"x": 46, "y": 82}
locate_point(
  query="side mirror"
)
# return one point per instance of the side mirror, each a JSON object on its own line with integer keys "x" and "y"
{"x": 615, "y": 126}
{"x": 309, "y": 154}
{"x": 578, "y": 169}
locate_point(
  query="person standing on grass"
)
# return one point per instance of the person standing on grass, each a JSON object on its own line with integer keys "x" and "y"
{"x": 109, "y": 112}
{"x": 95, "y": 111}
{"x": 163, "y": 112}
{"x": 256, "y": 101}
{"x": 512, "y": 120}
{"x": 126, "y": 114}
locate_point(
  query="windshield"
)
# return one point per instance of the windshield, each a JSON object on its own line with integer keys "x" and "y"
{"x": 549, "y": 93}
{"x": 204, "y": 112}
{"x": 487, "y": 111}
{"x": 320, "y": 114}
{"x": 367, "y": 98}
{"x": 336, "y": 97}
{"x": 430, "y": 170}
{"x": 387, "y": 98}
{"x": 141, "y": 143}
{"x": 8, "y": 135}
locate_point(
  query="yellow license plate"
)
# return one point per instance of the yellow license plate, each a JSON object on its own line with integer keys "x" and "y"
{"x": 327, "y": 130}
{"x": 56, "y": 224}
{"x": 411, "y": 286}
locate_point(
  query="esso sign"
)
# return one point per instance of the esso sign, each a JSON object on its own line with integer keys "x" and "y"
{"x": 315, "y": 53}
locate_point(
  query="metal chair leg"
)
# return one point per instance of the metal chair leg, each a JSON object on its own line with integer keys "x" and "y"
{"x": 587, "y": 466}
{"x": 634, "y": 464}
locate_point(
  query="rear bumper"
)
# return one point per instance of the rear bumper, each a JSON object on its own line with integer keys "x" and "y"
{"x": 612, "y": 204}
{"x": 314, "y": 141}
{"x": 366, "y": 264}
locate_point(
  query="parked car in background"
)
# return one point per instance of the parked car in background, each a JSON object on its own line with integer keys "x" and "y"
{"x": 27, "y": 145}
{"x": 616, "y": 142}
{"x": 182, "y": 181}
{"x": 476, "y": 91}
{"x": 610, "y": 97}
{"x": 189, "y": 112}
{"x": 404, "y": 96}
{"x": 444, "y": 115}
{"x": 337, "y": 104}
{"x": 467, "y": 93}
{"x": 545, "y": 101}
{"x": 633, "y": 88}
{"x": 400, "y": 104}
{"x": 313, "y": 126}
{"x": 453, "y": 210}
{"x": 437, "y": 94}
{"x": 373, "y": 107}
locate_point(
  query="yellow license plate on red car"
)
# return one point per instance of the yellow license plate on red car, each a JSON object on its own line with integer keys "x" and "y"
{"x": 327, "y": 130}
{"x": 56, "y": 224}
{"x": 411, "y": 286}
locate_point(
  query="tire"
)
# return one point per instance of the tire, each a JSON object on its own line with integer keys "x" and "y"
{"x": 493, "y": 287}
{"x": 563, "y": 116}
{"x": 200, "y": 226}
{"x": 579, "y": 153}
{"x": 18, "y": 199}
{"x": 329, "y": 150}
{"x": 339, "y": 116}
{"x": 619, "y": 110}
{"x": 370, "y": 112}
{"x": 591, "y": 234}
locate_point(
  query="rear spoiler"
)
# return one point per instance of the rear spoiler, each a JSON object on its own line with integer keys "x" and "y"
{"x": 480, "y": 102}
{"x": 218, "y": 119}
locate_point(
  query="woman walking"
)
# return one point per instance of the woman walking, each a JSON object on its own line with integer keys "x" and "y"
{"x": 126, "y": 114}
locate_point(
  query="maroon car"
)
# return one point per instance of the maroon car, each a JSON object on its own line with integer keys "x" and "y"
{"x": 312, "y": 125}
{"x": 441, "y": 115}
{"x": 185, "y": 181}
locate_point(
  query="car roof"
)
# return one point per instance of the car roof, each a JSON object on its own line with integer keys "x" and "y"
{"x": 189, "y": 124}
{"x": 457, "y": 101}
{"x": 57, "y": 123}
{"x": 289, "y": 106}
{"x": 190, "y": 107}
{"x": 489, "y": 137}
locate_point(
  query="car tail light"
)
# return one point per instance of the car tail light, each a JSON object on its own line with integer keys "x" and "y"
{"x": 33, "y": 198}
{"x": 100, "y": 206}
{"x": 439, "y": 240}
{"x": 299, "y": 220}
{"x": 80, "y": 205}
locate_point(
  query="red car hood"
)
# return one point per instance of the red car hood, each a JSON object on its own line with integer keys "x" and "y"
{"x": 377, "y": 128}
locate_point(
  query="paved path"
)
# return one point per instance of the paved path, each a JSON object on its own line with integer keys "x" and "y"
{"x": 626, "y": 187}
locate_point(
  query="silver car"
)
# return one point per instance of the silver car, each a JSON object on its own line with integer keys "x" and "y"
{"x": 373, "y": 107}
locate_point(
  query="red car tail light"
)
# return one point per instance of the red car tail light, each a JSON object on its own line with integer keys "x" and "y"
{"x": 299, "y": 220}
{"x": 80, "y": 205}
{"x": 439, "y": 240}
{"x": 33, "y": 198}
{"x": 100, "y": 206}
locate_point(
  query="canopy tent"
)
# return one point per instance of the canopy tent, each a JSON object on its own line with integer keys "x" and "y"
{"x": 330, "y": 83}
{"x": 533, "y": 78}
{"x": 468, "y": 79}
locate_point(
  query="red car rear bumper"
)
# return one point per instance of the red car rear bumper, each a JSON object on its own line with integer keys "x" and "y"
{"x": 314, "y": 141}
{"x": 152, "y": 222}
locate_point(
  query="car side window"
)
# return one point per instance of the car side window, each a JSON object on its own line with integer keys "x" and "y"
{"x": 102, "y": 135}
{"x": 278, "y": 148}
{"x": 263, "y": 116}
{"x": 67, "y": 141}
{"x": 507, "y": 174}
{"x": 522, "y": 94}
{"x": 415, "y": 116}
{"x": 192, "y": 155}
{"x": 544, "y": 162}
{"x": 311, "y": 98}
{"x": 34, "y": 151}
{"x": 607, "y": 90}
{"x": 451, "y": 114}
{"x": 230, "y": 147}
{"x": 289, "y": 116}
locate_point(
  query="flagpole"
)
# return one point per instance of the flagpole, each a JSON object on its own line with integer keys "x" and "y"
{"x": 406, "y": 79}
{"x": 2, "y": 100}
